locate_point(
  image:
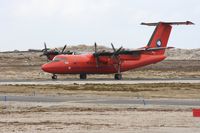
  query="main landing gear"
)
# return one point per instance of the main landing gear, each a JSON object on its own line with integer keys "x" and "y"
{"x": 118, "y": 76}
{"x": 83, "y": 76}
{"x": 54, "y": 77}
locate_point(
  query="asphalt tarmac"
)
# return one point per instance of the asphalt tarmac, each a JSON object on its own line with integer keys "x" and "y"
{"x": 96, "y": 81}
{"x": 101, "y": 100}
{"x": 98, "y": 100}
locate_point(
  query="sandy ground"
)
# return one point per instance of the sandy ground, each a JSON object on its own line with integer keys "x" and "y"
{"x": 75, "y": 118}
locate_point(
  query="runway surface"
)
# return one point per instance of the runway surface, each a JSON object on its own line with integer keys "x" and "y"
{"x": 95, "y": 81}
{"x": 102, "y": 100}
{"x": 96, "y": 99}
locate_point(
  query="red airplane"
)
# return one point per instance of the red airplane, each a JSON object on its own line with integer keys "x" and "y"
{"x": 119, "y": 60}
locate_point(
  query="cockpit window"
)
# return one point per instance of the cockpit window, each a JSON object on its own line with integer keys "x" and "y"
{"x": 57, "y": 59}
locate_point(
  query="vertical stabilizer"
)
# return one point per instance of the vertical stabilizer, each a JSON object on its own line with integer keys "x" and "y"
{"x": 160, "y": 36}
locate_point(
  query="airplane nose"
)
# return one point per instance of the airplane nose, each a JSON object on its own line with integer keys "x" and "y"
{"x": 45, "y": 67}
{"x": 52, "y": 68}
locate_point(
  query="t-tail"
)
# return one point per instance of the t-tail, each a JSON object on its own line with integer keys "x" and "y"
{"x": 159, "y": 39}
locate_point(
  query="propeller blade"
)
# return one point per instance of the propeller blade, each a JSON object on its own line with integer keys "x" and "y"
{"x": 45, "y": 52}
{"x": 113, "y": 47}
{"x": 95, "y": 47}
{"x": 63, "y": 49}
{"x": 115, "y": 53}
{"x": 118, "y": 50}
{"x": 45, "y": 47}
{"x": 95, "y": 54}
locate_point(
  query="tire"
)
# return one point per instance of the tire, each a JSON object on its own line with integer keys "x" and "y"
{"x": 54, "y": 77}
{"x": 118, "y": 76}
{"x": 83, "y": 76}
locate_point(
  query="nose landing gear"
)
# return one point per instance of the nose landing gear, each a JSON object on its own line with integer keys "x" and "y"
{"x": 54, "y": 77}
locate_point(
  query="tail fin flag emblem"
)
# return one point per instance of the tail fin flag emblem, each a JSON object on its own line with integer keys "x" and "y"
{"x": 159, "y": 43}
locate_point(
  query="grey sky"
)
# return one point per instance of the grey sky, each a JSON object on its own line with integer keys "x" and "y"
{"x": 27, "y": 24}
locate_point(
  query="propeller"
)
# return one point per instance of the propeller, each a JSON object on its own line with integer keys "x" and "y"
{"x": 45, "y": 52}
{"x": 65, "y": 52}
{"x": 116, "y": 52}
{"x": 50, "y": 53}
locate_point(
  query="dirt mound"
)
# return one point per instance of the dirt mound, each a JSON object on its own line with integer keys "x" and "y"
{"x": 172, "y": 54}
{"x": 183, "y": 54}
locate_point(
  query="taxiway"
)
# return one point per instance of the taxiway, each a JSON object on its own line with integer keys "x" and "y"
{"x": 95, "y": 81}
{"x": 101, "y": 100}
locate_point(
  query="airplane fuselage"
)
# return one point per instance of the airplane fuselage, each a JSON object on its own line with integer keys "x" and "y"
{"x": 78, "y": 64}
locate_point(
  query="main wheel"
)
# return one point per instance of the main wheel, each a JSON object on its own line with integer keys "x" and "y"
{"x": 54, "y": 77}
{"x": 83, "y": 76}
{"x": 118, "y": 76}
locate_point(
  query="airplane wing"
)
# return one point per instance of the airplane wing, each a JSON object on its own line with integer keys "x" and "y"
{"x": 104, "y": 53}
{"x": 130, "y": 52}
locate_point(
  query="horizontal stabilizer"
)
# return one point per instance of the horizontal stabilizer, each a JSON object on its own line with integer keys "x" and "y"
{"x": 158, "y": 48}
{"x": 169, "y": 23}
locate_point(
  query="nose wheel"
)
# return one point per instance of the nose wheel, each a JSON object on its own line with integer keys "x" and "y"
{"x": 54, "y": 77}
